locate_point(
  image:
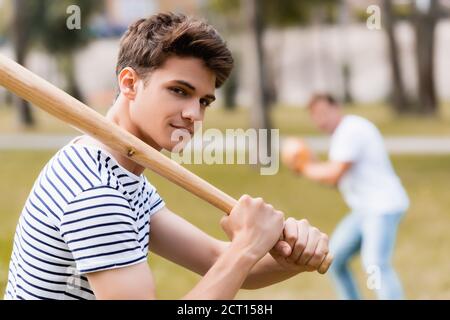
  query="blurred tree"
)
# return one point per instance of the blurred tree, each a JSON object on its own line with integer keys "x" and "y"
{"x": 229, "y": 91}
{"x": 344, "y": 19}
{"x": 220, "y": 12}
{"x": 426, "y": 16}
{"x": 259, "y": 117}
{"x": 58, "y": 39}
{"x": 22, "y": 32}
{"x": 6, "y": 12}
{"x": 43, "y": 24}
{"x": 287, "y": 13}
{"x": 399, "y": 99}
{"x": 257, "y": 15}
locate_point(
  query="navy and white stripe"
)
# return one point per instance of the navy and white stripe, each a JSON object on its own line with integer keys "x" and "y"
{"x": 85, "y": 213}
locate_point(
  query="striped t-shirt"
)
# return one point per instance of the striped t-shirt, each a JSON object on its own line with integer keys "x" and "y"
{"x": 85, "y": 213}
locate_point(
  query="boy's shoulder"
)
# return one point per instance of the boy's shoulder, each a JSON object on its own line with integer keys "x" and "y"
{"x": 78, "y": 171}
{"x": 78, "y": 165}
{"x": 77, "y": 168}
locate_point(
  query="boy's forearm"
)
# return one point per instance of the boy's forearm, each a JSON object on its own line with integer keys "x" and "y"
{"x": 267, "y": 272}
{"x": 226, "y": 276}
{"x": 264, "y": 273}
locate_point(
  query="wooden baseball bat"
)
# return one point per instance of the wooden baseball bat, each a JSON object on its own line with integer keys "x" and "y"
{"x": 58, "y": 103}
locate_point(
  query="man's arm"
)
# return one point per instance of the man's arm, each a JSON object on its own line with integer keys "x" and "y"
{"x": 300, "y": 159}
{"x": 328, "y": 173}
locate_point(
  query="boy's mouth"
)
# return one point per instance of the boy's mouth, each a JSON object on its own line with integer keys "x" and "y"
{"x": 189, "y": 129}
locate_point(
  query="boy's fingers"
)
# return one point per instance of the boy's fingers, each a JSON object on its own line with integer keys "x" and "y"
{"x": 290, "y": 232}
{"x": 310, "y": 249}
{"x": 326, "y": 263}
{"x": 282, "y": 248}
{"x": 319, "y": 254}
{"x": 302, "y": 239}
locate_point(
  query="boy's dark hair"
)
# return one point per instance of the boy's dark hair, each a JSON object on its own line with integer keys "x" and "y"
{"x": 147, "y": 44}
{"x": 322, "y": 97}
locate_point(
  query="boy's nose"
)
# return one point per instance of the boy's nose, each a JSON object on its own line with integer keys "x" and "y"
{"x": 192, "y": 112}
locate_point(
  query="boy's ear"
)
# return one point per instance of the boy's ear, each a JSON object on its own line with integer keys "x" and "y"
{"x": 128, "y": 80}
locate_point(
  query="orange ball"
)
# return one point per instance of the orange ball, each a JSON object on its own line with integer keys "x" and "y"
{"x": 295, "y": 153}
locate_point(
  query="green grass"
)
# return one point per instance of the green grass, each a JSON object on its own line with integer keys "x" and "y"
{"x": 421, "y": 256}
{"x": 289, "y": 120}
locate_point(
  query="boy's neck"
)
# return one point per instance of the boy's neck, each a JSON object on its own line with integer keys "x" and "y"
{"x": 118, "y": 113}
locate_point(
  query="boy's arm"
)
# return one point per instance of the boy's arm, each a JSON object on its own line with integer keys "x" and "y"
{"x": 254, "y": 228}
{"x": 135, "y": 282}
{"x": 179, "y": 241}
{"x": 304, "y": 248}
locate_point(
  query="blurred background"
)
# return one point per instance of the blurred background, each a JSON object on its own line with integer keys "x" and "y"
{"x": 387, "y": 60}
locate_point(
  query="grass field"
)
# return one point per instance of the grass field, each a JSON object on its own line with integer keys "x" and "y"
{"x": 422, "y": 250}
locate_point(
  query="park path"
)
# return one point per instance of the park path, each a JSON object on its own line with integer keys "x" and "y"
{"x": 395, "y": 144}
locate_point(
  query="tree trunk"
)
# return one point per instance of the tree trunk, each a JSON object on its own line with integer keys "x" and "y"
{"x": 399, "y": 99}
{"x": 259, "y": 111}
{"x": 21, "y": 42}
{"x": 344, "y": 22}
{"x": 229, "y": 91}
{"x": 425, "y": 25}
{"x": 67, "y": 67}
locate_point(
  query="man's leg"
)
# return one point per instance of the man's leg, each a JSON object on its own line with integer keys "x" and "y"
{"x": 344, "y": 244}
{"x": 379, "y": 233}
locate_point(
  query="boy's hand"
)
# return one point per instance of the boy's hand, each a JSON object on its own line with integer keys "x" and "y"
{"x": 304, "y": 248}
{"x": 253, "y": 225}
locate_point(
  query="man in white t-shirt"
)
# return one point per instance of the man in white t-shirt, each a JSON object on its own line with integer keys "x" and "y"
{"x": 360, "y": 167}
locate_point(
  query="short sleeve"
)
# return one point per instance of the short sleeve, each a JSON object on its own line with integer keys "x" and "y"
{"x": 100, "y": 230}
{"x": 346, "y": 143}
{"x": 155, "y": 202}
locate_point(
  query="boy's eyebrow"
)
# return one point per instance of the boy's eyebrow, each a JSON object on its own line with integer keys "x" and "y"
{"x": 190, "y": 86}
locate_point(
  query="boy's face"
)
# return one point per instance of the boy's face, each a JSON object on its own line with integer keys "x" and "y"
{"x": 173, "y": 97}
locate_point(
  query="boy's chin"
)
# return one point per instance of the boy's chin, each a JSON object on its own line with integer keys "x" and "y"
{"x": 173, "y": 148}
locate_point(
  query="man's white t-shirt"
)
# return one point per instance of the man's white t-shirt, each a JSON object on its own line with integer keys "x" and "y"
{"x": 370, "y": 186}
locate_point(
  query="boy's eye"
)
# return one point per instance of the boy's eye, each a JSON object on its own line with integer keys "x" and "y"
{"x": 205, "y": 102}
{"x": 178, "y": 91}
